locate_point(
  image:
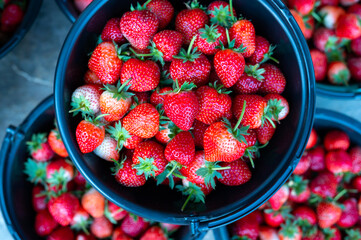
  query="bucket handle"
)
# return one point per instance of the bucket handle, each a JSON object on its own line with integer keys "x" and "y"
{"x": 7, "y": 143}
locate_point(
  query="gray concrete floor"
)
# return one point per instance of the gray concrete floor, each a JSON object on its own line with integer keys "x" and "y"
{"x": 27, "y": 75}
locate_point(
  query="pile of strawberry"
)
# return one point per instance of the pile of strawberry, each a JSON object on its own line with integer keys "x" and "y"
{"x": 82, "y": 4}
{"x": 196, "y": 114}
{"x": 11, "y": 15}
{"x": 320, "y": 201}
{"x": 67, "y": 208}
{"x": 333, "y": 28}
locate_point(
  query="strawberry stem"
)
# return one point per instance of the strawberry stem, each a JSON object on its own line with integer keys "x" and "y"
{"x": 220, "y": 168}
{"x": 231, "y": 9}
{"x": 240, "y": 118}
{"x": 172, "y": 170}
{"x": 340, "y": 194}
{"x": 191, "y": 45}
{"x": 146, "y": 3}
{"x": 186, "y": 202}
{"x": 228, "y": 38}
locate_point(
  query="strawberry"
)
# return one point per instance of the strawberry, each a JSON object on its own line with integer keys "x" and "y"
{"x": 348, "y": 26}
{"x": 303, "y": 165}
{"x": 355, "y": 9}
{"x": 91, "y": 78}
{"x": 191, "y": 171}
{"x": 268, "y": 233}
{"x": 349, "y": 216}
{"x": 330, "y": 15}
{"x": 279, "y": 198}
{"x": 149, "y": 159}
{"x": 245, "y": 35}
{"x": 246, "y": 227}
{"x": 277, "y": 106}
{"x": 142, "y": 121}
{"x": 209, "y": 38}
{"x": 80, "y": 180}
{"x": 300, "y": 21}
{"x": 354, "y": 65}
{"x": 355, "y": 154}
{"x": 169, "y": 130}
{"x": 276, "y": 218}
{"x": 84, "y": 236}
{"x": 101, "y": 227}
{"x": 329, "y": 2}
{"x": 306, "y": 214}
{"x": 157, "y": 97}
{"x": 237, "y": 174}
{"x": 165, "y": 45}
{"x": 263, "y": 52}
{"x": 164, "y": 11}
{"x": 181, "y": 106}
{"x": 169, "y": 227}
{"x": 38, "y": 199}
{"x": 304, "y": 7}
{"x": 265, "y": 132}
{"x": 289, "y": 231}
{"x": 250, "y": 81}
{"x": 328, "y": 214}
{"x": 324, "y": 185}
{"x": 11, "y": 17}
{"x": 338, "y": 73}
{"x": 220, "y": 13}
{"x": 133, "y": 225}
{"x": 127, "y": 175}
{"x": 113, "y": 212}
{"x": 322, "y": 38}
{"x": 93, "y": 202}
{"x": 80, "y": 221}
{"x": 299, "y": 190}
{"x": 61, "y": 233}
{"x": 338, "y": 162}
{"x": 154, "y": 233}
{"x": 190, "y": 66}
{"x": 319, "y": 60}
{"x": 118, "y": 234}
{"x": 356, "y": 183}
{"x": 59, "y": 169}
{"x": 317, "y": 156}
{"x": 347, "y": 3}
{"x": 122, "y": 137}
{"x": 56, "y": 143}
{"x": 214, "y": 102}
{"x": 105, "y": 63}
{"x": 312, "y": 140}
{"x": 82, "y": 4}
{"x": 310, "y": 26}
{"x": 39, "y": 148}
{"x": 44, "y": 223}
{"x": 111, "y": 32}
{"x": 190, "y": 20}
{"x": 336, "y": 140}
{"x": 85, "y": 99}
{"x": 142, "y": 75}
{"x": 107, "y": 150}
{"x": 89, "y": 134}
{"x": 356, "y": 46}
{"x": 63, "y": 208}
{"x": 274, "y": 80}
{"x": 199, "y": 128}
{"x": 181, "y": 149}
{"x": 139, "y": 26}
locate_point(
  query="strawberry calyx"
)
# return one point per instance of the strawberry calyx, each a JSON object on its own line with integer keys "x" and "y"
{"x": 289, "y": 229}
{"x": 210, "y": 172}
{"x": 274, "y": 108}
{"x": 237, "y": 131}
{"x": 253, "y": 152}
{"x": 146, "y": 166}
{"x": 36, "y": 141}
{"x": 231, "y": 45}
{"x": 195, "y": 4}
{"x": 334, "y": 48}
{"x": 297, "y": 184}
{"x": 170, "y": 171}
{"x": 269, "y": 55}
{"x": 36, "y": 171}
{"x": 329, "y": 233}
{"x": 58, "y": 180}
{"x": 123, "y": 52}
{"x": 220, "y": 88}
{"x": 119, "y": 133}
{"x": 210, "y": 33}
{"x": 284, "y": 211}
{"x": 307, "y": 229}
{"x": 82, "y": 224}
{"x": 163, "y": 120}
{"x": 193, "y": 192}
{"x": 120, "y": 91}
{"x": 118, "y": 164}
{"x": 222, "y": 16}
{"x": 108, "y": 214}
{"x": 353, "y": 234}
{"x": 172, "y": 128}
{"x": 139, "y": 7}
{"x": 186, "y": 87}
{"x": 80, "y": 105}
{"x": 191, "y": 54}
{"x": 165, "y": 79}
{"x": 342, "y": 77}
{"x": 268, "y": 114}
{"x": 255, "y": 72}
{"x": 95, "y": 120}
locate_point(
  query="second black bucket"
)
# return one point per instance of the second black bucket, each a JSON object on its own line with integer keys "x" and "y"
{"x": 69, "y": 9}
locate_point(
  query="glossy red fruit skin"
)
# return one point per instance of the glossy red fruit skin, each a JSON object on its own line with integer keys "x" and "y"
{"x": 324, "y": 185}
{"x": 317, "y": 156}
{"x": 101, "y": 227}
{"x": 63, "y": 208}
{"x": 321, "y": 36}
{"x": 279, "y": 198}
{"x": 255, "y": 106}
{"x": 338, "y": 162}
{"x": 111, "y": 32}
{"x": 238, "y": 174}
{"x": 262, "y": 48}
{"x": 190, "y": 171}
{"x": 336, "y": 140}
{"x": 198, "y": 131}
{"x": 356, "y": 46}
{"x": 349, "y": 216}
{"x": 168, "y": 42}
{"x": 246, "y": 227}
{"x": 11, "y": 17}
{"x": 303, "y": 165}
{"x": 244, "y": 33}
{"x": 355, "y": 9}
{"x": 151, "y": 149}
{"x": 265, "y": 132}
{"x": 356, "y": 183}
{"x": 61, "y": 234}
{"x": 355, "y": 154}
{"x": 302, "y": 197}
{"x": 273, "y": 219}
{"x": 156, "y": 98}
{"x": 348, "y": 26}
{"x": 274, "y": 81}
{"x": 211, "y": 48}
{"x": 164, "y": 11}
{"x": 354, "y": 65}
{"x": 44, "y": 223}
{"x": 181, "y": 149}
{"x": 304, "y": 7}
{"x": 88, "y": 136}
{"x": 328, "y": 214}
{"x": 247, "y": 85}
{"x": 39, "y": 202}
{"x": 319, "y": 60}
{"x": 128, "y": 176}
{"x": 306, "y": 213}
{"x": 312, "y": 140}
{"x": 132, "y": 227}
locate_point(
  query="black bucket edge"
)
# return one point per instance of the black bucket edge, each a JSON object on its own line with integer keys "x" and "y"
{"x": 64, "y": 7}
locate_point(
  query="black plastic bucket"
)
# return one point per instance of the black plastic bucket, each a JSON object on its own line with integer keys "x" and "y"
{"x": 31, "y": 13}
{"x": 15, "y": 190}
{"x": 352, "y": 92}
{"x": 227, "y": 204}
{"x": 69, "y": 9}
{"x": 325, "y": 120}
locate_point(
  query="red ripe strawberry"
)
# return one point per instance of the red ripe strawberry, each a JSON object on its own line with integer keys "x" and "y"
{"x": 250, "y": 81}
{"x": 329, "y": 2}
{"x": 347, "y": 3}
{"x": 89, "y": 135}
{"x": 265, "y": 132}
{"x": 169, "y": 227}
{"x": 91, "y": 78}
{"x": 349, "y": 216}
{"x": 181, "y": 106}
{"x": 338, "y": 162}
{"x": 111, "y": 32}
{"x": 149, "y": 159}
{"x": 142, "y": 121}
{"x": 263, "y": 52}
{"x": 355, "y": 9}
{"x": 56, "y": 143}
{"x": 44, "y": 223}
{"x": 330, "y": 15}
{"x": 299, "y": 190}
{"x": 310, "y": 26}
{"x": 354, "y": 65}
{"x": 169, "y": 130}
{"x": 154, "y": 233}
{"x": 321, "y": 37}
{"x": 319, "y": 60}
{"x": 355, "y": 154}
{"x": 61, "y": 234}
{"x": 356, "y": 45}
{"x": 93, "y": 202}
{"x": 303, "y": 165}
{"x": 238, "y": 173}
{"x": 63, "y": 208}
{"x": 61, "y": 167}
{"x": 305, "y": 213}
{"x": 317, "y": 156}
{"x": 312, "y": 140}
{"x": 181, "y": 149}
{"x": 348, "y": 26}
{"x": 105, "y": 63}
{"x": 190, "y": 20}
{"x": 214, "y": 102}
{"x": 101, "y": 227}
{"x": 279, "y": 198}
{"x": 268, "y": 233}
{"x": 165, "y": 45}
{"x": 289, "y": 231}
{"x": 244, "y": 33}
{"x": 338, "y": 73}
{"x": 164, "y": 11}
{"x": 80, "y": 180}
{"x": 39, "y": 148}
{"x": 82, "y": 4}
{"x": 300, "y": 21}
{"x": 127, "y": 175}
{"x": 142, "y": 75}
{"x": 84, "y": 236}
{"x": 220, "y": 13}
{"x": 336, "y": 140}
{"x": 198, "y": 131}
{"x": 157, "y": 98}
{"x": 38, "y": 200}
{"x": 209, "y": 38}
{"x": 274, "y": 218}
{"x": 122, "y": 138}
{"x": 139, "y": 26}
{"x": 11, "y": 17}
{"x": 328, "y": 214}
{"x": 304, "y": 7}
{"x": 274, "y": 81}
{"x": 108, "y": 149}
{"x": 247, "y": 227}
{"x": 190, "y": 171}
{"x": 85, "y": 99}
{"x": 356, "y": 183}
{"x": 113, "y": 212}
{"x": 133, "y": 225}
{"x": 118, "y": 234}
{"x": 255, "y": 106}
{"x": 324, "y": 185}
{"x": 277, "y": 106}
